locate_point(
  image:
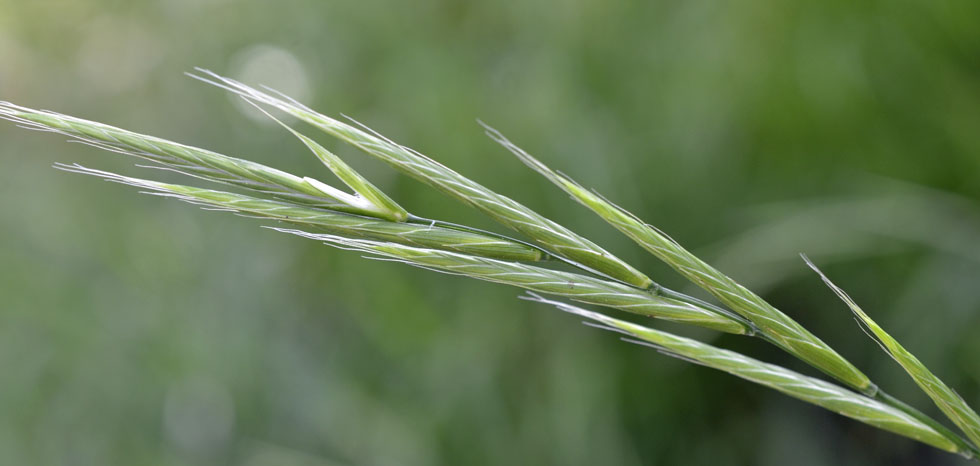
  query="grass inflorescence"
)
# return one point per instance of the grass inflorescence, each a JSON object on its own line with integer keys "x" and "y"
{"x": 370, "y": 221}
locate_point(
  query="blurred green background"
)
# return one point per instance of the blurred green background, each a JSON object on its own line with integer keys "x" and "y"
{"x": 136, "y": 330}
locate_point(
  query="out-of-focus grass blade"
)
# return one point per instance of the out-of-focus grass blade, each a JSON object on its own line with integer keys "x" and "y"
{"x": 948, "y": 401}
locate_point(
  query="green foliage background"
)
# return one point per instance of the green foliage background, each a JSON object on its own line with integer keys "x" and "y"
{"x": 136, "y": 330}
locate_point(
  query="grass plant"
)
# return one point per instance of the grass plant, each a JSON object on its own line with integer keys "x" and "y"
{"x": 369, "y": 221}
